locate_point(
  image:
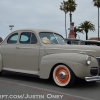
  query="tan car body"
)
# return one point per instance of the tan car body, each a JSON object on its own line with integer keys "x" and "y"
{"x": 39, "y": 59}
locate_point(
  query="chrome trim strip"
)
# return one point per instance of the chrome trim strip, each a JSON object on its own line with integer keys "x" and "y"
{"x": 82, "y": 53}
{"x": 26, "y": 47}
{"x": 22, "y": 71}
{"x": 71, "y": 49}
{"x": 93, "y": 78}
{"x": 97, "y": 57}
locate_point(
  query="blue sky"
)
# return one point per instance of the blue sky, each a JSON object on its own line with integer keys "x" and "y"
{"x": 44, "y": 14}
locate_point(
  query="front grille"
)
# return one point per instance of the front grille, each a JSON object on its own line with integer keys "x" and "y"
{"x": 98, "y": 59}
{"x": 94, "y": 71}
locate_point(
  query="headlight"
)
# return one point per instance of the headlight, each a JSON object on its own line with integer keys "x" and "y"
{"x": 88, "y": 60}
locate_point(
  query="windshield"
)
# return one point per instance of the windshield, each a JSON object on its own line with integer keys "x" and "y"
{"x": 51, "y": 38}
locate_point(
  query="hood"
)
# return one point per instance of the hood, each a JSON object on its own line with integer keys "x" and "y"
{"x": 89, "y": 50}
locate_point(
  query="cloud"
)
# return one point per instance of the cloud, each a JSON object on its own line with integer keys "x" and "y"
{"x": 44, "y": 14}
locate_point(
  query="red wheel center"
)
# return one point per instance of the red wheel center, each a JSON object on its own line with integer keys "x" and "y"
{"x": 62, "y": 75}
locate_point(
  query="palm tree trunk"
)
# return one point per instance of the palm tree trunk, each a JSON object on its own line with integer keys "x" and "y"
{"x": 86, "y": 36}
{"x": 98, "y": 23}
{"x": 75, "y": 34}
{"x": 65, "y": 26}
{"x": 70, "y": 16}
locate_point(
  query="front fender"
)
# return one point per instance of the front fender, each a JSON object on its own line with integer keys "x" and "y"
{"x": 77, "y": 63}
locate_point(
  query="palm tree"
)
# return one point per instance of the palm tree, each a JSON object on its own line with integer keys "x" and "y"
{"x": 71, "y": 7}
{"x": 87, "y": 26}
{"x": 97, "y": 4}
{"x": 64, "y": 8}
{"x": 77, "y": 30}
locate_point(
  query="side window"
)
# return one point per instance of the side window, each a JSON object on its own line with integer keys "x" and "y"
{"x": 28, "y": 38}
{"x": 13, "y": 39}
{"x": 53, "y": 39}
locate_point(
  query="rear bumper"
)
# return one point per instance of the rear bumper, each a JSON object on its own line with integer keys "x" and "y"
{"x": 93, "y": 78}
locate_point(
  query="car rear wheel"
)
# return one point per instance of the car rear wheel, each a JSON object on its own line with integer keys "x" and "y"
{"x": 63, "y": 76}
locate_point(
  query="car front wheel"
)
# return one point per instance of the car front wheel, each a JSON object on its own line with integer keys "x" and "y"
{"x": 63, "y": 76}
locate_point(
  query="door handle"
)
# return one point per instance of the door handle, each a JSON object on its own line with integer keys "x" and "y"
{"x": 17, "y": 48}
{"x": 23, "y": 47}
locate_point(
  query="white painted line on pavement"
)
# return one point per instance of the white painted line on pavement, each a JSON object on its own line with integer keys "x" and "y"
{"x": 47, "y": 90}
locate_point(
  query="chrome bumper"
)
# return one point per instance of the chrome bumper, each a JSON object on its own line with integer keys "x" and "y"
{"x": 93, "y": 78}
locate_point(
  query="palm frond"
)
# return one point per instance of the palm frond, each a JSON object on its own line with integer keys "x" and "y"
{"x": 87, "y": 26}
{"x": 96, "y": 3}
{"x": 71, "y": 5}
{"x": 64, "y": 6}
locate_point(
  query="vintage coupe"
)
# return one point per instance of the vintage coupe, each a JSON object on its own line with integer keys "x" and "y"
{"x": 45, "y": 54}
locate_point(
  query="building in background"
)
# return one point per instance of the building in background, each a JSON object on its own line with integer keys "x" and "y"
{"x": 93, "y": 38}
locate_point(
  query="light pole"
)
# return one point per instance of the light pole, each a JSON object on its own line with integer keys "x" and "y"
{"x": 11, "y": 26}
{"x": 65, "y": 10}
{"x": 98, "y": 24}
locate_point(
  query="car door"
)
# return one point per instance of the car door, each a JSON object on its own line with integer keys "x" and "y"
{"x": 8, "y": 51}
{"x": 27, "y": 55}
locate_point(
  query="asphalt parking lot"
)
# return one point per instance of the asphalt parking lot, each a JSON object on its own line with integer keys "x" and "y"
{"x": 29, "y": 88}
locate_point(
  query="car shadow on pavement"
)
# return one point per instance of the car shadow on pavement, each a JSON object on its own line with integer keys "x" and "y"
{"x": 83, "y": 84}
{"x": 49, "y": 82}
{"x": 26, "y": 78}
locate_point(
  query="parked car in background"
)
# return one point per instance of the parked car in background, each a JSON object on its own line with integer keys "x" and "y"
{"x": 44, "y": 53}
{"x": 1, "y": 39}
{"x": 92, "y": 42}
{"x": 74, "y": 41}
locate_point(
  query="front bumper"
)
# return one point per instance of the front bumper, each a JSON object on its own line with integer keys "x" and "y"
{"x": 93, "y": 78}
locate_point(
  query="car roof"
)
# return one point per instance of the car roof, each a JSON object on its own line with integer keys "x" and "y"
{"x": 36, "y": 30}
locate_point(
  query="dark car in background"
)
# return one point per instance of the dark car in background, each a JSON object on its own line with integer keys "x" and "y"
{"x": 92, "y": 42}
{"x": 74, "y": 41}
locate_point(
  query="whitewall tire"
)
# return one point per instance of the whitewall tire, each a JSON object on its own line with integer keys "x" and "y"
{"x": 63, "y": 76}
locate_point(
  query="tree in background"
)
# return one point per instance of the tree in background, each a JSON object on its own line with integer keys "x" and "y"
{"x": 71, "y": 4}
{"x": 87, "y": 26}
{"x": 97, "y": 4}
{"x": 64, "y": 8}
{"x": 77, "y": 30}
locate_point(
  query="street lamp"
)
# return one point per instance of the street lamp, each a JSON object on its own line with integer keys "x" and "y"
{"x": 65, "y": 23}
{"x": 11, "y": 26}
